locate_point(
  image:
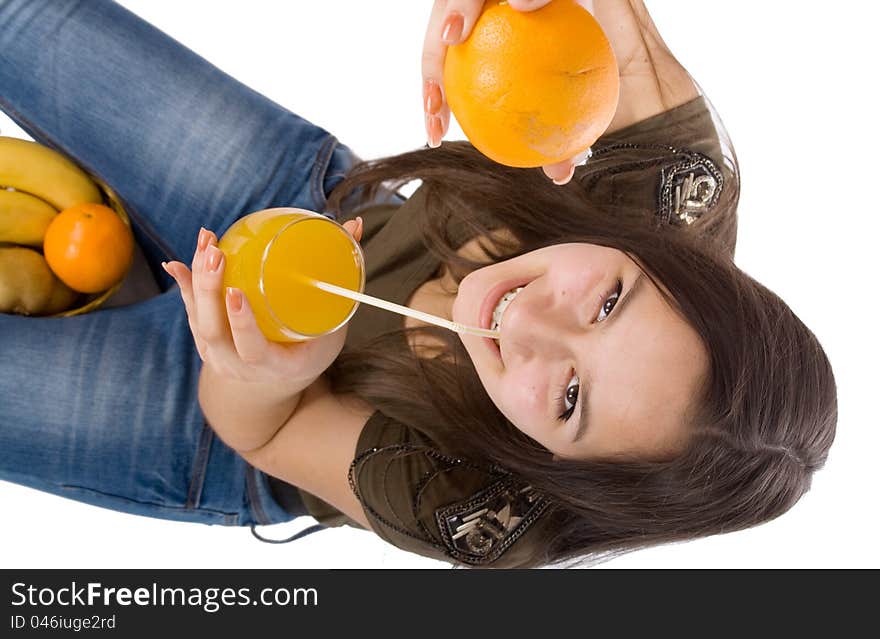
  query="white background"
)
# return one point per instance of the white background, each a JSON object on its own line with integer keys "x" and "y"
{"x": 788, "y": 79}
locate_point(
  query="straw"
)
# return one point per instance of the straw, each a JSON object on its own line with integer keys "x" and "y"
{"x": 403, "y": 310}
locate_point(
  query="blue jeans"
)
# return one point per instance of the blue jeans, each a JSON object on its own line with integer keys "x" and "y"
{"x": 103, "y": 407}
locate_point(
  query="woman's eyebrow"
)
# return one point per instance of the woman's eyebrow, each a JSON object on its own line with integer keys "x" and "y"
{"x": 583, "y": 413}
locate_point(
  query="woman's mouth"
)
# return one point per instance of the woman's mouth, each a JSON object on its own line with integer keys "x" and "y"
{"x": 502, "y": 305}
{"x": 495, "y": 297}
{"x": 494, "y": 305}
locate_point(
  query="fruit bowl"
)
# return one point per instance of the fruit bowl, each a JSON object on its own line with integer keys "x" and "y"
{"x": 61, "y": 231}
{"x": 90, "y": 302}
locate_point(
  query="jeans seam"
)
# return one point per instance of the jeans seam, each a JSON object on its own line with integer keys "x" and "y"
{"x": 200, "y": 465}
{"x": 254, "y": 497}
{"x": 319, "y": 171}
{"x": 52, "y": 143}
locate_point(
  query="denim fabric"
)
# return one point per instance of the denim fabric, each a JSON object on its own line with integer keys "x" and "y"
{"x": 103, "y": 407}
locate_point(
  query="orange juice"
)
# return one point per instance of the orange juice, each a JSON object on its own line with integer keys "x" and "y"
{"x": 272, "y": 254}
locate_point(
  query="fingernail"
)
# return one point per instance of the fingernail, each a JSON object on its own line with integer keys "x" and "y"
{"x": 214, "y": 258}
{"x": 203, "y": 238}
{"x": 234, "y": 298}
{"x": 565, "y": 179}
{"x": 360, "y": 222}
{"x": 165, "y": 268}
{"x": 452, "y": 28}
{"x": 433, "y": 98}
{"x": 435, "y": 130}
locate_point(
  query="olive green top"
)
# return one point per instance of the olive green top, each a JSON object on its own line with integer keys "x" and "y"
{"x": 414, "y": 495}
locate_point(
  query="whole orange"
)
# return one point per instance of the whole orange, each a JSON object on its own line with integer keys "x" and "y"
{"x": 532, "y": 88}
{"x": 89, "y": 247}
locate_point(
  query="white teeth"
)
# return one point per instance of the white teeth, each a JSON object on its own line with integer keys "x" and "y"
{"x": 502, "y": 305}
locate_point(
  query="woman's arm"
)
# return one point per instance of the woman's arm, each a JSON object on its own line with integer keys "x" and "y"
{"x": 651, "y": 79}
{"x": 307, "y": 439}
{"x": 248, "y": 386}
{"x": 243, "y": 414}
{"x": 315, "y": 446}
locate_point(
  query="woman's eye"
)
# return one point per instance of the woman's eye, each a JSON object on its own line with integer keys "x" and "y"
{"x": 610, "y": 303}
{"x": 570, "y": 396}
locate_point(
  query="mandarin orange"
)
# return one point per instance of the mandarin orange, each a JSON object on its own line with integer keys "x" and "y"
{"x": 532, "y": 88}
{"x": 89, "y": 247}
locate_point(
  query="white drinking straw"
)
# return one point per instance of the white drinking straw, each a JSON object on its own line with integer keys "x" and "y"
{"x": 402, "y": 310}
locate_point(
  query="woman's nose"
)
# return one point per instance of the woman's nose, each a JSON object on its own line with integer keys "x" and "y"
{"x": 544, "y": 320}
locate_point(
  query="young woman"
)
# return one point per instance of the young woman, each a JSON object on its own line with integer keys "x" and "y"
{"x": 644, "y": 389}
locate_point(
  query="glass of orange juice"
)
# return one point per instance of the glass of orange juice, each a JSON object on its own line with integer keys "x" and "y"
{"x": 272, "y": 254}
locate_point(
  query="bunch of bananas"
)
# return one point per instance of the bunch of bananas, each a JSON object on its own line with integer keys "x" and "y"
{"x": 35, "y": 184}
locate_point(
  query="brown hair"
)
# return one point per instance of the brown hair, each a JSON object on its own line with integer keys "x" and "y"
{"x": 763, "y": 422}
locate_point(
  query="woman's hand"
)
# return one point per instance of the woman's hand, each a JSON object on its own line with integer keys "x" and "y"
{"x": 226, "y": 333}
{"x": 450, "y": 23}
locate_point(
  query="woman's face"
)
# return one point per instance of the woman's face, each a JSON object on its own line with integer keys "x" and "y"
{"x": 589, "y": 332}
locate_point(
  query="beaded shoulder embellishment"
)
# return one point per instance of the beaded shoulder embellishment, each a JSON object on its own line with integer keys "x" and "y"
{"x": 688, "y": 189}
{"x": 478, "y": 530}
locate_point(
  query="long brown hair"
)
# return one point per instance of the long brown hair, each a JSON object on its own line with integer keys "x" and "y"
{"x": 764, "y": 419}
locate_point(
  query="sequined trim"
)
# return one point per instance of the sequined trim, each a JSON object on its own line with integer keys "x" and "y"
{"x": 688, "y": 189}
{"x": 479, "y": 530}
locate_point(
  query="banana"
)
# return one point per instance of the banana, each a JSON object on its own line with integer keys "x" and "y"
{"x": 45, "y": 173}
{"x": 24, "y": 218}
{"x": 28, "y": 286}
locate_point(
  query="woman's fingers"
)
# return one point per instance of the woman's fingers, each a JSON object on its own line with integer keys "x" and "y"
{"x": 451, "y": 22}
{"x": 562, "y": 172}
{"x": 222, "y": 321}
{"x": 250, "y": 344}
{"x": 243, "y": 340}
{"x": 433, "y": 55}
{"x": 183, "y": 277}
{"x": 210, "y": 307}
{"x": 355, "y": 227}
{"x": 209, "y": 299}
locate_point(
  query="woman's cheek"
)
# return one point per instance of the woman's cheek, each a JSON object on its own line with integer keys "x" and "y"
{"x": 522, "y": 404}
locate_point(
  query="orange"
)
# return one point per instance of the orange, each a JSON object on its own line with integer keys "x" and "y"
{"x": 89, "y": 247}
{"x": 532, "y": 88}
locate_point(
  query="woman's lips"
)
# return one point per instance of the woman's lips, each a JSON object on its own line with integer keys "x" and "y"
{"x": 490, "y": 302}
{"x": 492, "y": 298}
